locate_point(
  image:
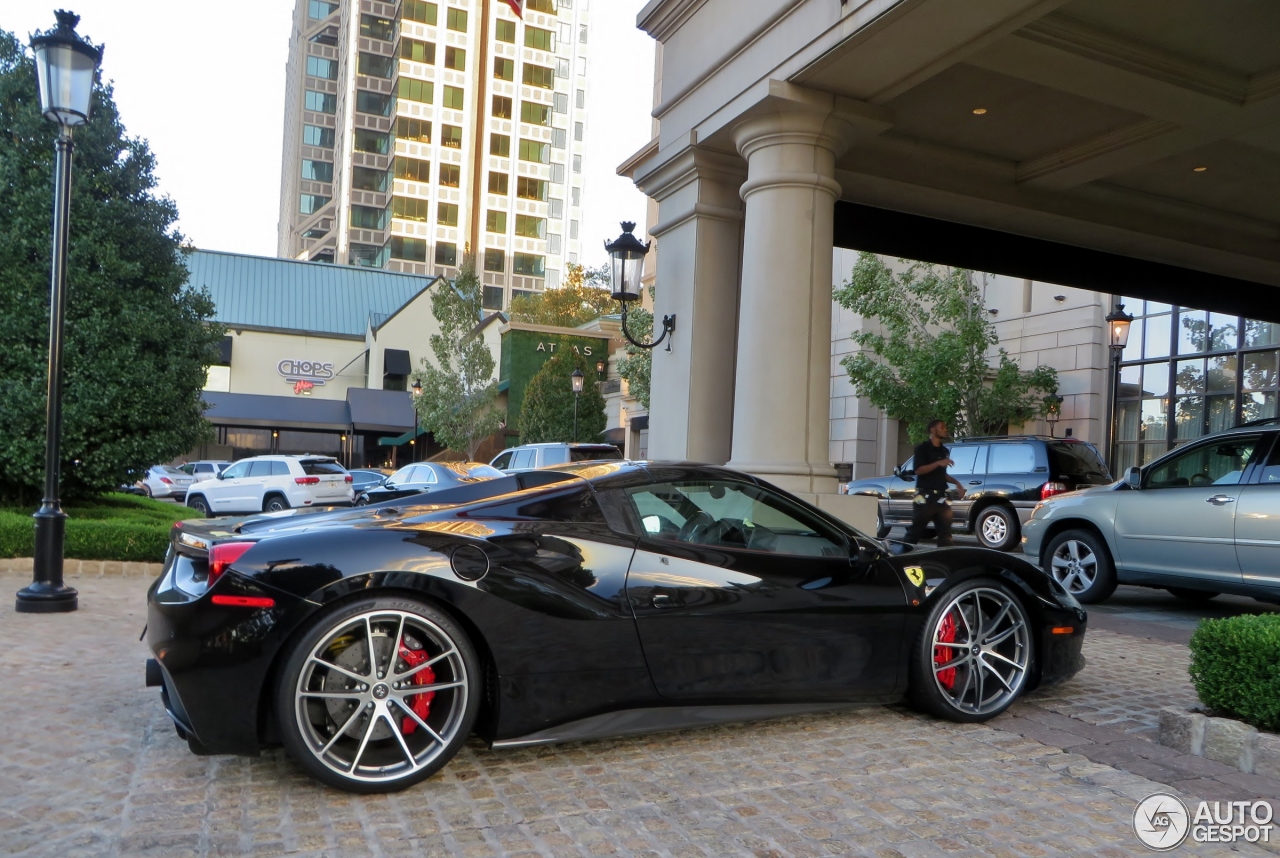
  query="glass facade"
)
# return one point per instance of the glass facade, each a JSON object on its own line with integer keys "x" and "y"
{"x": 1187, "y": 373}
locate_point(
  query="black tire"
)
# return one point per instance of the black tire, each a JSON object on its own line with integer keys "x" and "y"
{"x": 1192, "y": 595}
{"x": 1067, "y": 559}
{"x": 200, "y": 505}
{"x": 996, "y": 526}
{"x": 949, "y": 679}
{"x": 274, "y": 503}
{"x": 146, "y": 491}
{"x": 882, "y": 529}
{"x": 388, "y": 624}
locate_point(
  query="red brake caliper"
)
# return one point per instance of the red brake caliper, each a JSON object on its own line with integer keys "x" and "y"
{"x": 944, "y": 654}
{"x": 419, "y": 703}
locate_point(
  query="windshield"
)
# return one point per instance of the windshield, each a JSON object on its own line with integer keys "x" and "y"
{"x": 1079, "y": 459}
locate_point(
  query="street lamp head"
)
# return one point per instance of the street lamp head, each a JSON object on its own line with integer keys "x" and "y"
{"x": 576, "y": 377}
{"x": 416, "y": 389}
{"x": 626, "y": 255}
{"x": 65, "y": 67}
{"x": 1052, "y": 408}
{"x": 1118, "y": 322}
{"x": 600, "y": 367}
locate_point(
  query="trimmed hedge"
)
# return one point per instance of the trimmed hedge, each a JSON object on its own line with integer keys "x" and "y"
{"x": 114, "y": 527}
{"x": 1235, "y": 667}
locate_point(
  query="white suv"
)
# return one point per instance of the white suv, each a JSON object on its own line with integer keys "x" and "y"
{"x": 273, "y": 483}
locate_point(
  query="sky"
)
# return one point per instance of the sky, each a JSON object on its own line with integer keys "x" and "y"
{"x": 204, "y": 85}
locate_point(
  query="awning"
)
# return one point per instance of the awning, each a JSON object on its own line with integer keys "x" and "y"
{"x": 398, "y": 440}
{"x": 640, "y": 423}
{"x": 300, "y": 412}
{"x": 224, "y": 351}
{"x": 396, "y": 362}
{"x": 388, "y": 411}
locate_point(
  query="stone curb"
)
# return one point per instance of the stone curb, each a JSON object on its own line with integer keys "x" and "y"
{"x": 88, "y": 568}
{"x": 1223, "y": 740}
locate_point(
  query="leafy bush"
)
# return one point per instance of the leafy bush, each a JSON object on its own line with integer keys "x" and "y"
{"x": 1235, "y": 667}
{"x": 115, "y": 527}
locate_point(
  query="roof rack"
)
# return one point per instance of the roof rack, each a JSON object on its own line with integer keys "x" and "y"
{"x": 1009, "y": 438}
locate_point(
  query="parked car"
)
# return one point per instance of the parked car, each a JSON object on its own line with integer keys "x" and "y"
{"x": 164, "y": 481}
{"x": 425, "y": 477}
{"x": 529, "y": 456}
{"x": 568, "y": 604}
{"x": 271, "y": 484}
{"x": 205, "y": 468}
{"x": 1004, "y": 478}
{"x": 367, "y": 478}
{"x": 1201, "y": 520}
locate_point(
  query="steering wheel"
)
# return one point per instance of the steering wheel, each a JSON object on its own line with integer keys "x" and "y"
{"x": 1200, "y": 480}
{"x": 695, "y": 529}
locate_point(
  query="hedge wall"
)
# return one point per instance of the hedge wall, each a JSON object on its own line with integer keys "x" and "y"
{"x": 115, "y": 527}
{"x": 1235, "y": 667}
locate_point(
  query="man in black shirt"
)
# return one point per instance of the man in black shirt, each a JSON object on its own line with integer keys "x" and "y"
{"x": 931, "y": 503}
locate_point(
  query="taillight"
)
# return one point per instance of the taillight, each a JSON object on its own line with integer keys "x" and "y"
{"x": 166, "y": 481}
{"x": 1050, "y": 489}
{"x": 347, "y": 478}
{"x": 221, "y": 557}
{"x": 306, "y": 481}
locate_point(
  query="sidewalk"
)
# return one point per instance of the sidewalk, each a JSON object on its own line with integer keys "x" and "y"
{"x": 92, "y": 767}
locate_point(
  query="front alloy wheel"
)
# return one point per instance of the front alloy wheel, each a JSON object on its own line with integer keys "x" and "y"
{"x": 1078, "y": 562}
{"x": 974, "y": 653}
{"x": 997, "y": 528}
{"x": 378, "y": 695}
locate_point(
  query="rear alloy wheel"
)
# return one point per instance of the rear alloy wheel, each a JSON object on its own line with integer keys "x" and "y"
{"x": 882, "y": 529}
{"x": 378, "y": 695}
{"x": 274, "y": 503}
{"x": 974, "y": 653}
{"x": 200, "y": 505}
{"x": 1080, "y": 563}
{"x": 996, "y": 527}
{"x": 146, "y": 490}
{"x": 1192, "y": 595}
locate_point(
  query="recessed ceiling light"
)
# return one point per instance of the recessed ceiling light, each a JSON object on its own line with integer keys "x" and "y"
{"x": 978, "y": 111}
{"x": 1198, "y": 169}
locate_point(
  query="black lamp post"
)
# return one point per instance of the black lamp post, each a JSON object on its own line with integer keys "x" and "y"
{"x": 576, "y": 378}
{"x": 1052, "y": 410}
{"x": 65, "y": 68}
{"x": 626, "y": 255}
{"x": 1118, "y": 322}
{"x": 415, "y": 390}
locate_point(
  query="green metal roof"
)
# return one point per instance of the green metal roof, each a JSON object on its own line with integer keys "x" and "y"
{"x": 315, "y": 297}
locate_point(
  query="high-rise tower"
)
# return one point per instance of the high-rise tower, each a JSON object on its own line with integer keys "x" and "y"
{"x": 416, "y": 131}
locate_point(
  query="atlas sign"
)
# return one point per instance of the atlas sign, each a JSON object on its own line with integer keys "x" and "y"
{"x": 312, "y": 371}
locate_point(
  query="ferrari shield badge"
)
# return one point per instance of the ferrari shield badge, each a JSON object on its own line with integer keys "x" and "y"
{"x": 916, "y": 574}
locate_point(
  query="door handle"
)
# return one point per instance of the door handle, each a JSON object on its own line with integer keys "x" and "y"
{"x": 975, "y": 482}
{"x": 662, "y": 600}
{"x": 1219, "y": 500}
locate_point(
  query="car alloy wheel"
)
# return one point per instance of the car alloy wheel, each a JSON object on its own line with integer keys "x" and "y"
{"x": 974, "y": 653}
{"x": 996, "y": 528}
{"x": 379, "y": 697}
{"x": 200, "y": 506}
{"x": 275, "y": 503}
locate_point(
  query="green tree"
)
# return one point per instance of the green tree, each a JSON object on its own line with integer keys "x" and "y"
{"x": 138, "y": 340}
{"x": 930, "y": 357}
{"x": 547, "y": 411}
{"x": 637, "y": 367}
{"x": 582, "y": 298}
{"x": 458, "y": 398}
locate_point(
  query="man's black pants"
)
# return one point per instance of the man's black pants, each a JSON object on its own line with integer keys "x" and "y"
{"x": 931, "y": 505}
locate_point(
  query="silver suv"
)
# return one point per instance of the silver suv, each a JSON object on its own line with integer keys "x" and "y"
{"x": 529, "y": 456}
{"x": 1201, "y": 520}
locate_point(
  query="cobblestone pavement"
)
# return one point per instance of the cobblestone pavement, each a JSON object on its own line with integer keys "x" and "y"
{"x": 91, "y": 766}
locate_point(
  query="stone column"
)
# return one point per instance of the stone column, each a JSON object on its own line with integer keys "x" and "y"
{"x": 783, "y": 390}
{"x": 699, "y": 243}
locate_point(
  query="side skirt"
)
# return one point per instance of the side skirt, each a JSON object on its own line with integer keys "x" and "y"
{"x": 662, "y": 718}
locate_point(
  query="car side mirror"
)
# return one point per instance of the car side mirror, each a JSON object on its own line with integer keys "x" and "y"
{"x": 220, "y": 476}
{"x": 908, "y": 476}
{"x": 1134, "y": 477}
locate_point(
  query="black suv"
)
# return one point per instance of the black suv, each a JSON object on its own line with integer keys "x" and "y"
{"x": 1004, "y": 478}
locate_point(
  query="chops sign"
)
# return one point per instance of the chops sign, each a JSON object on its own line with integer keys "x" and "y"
{"x": 313, "y": 371}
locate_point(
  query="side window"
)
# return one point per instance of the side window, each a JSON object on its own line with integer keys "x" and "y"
{"x": 279, "y": 469}
{"x": 260, "y": 469}
{"x": 732, "y": 515}
{"x": 401, "y": 476}
{"x": 966, "y": 458}
{"x": 503, "y": 461}
{"x": 1218, "y": 463}
{"x": 555, "y": 456}
{"x": 423, "y": 474}
{"x": 524, "y": 459}
{"x": 239, "y": 469}
{"x": 1270, "y": 473}
{"x": 1011, "y": 459}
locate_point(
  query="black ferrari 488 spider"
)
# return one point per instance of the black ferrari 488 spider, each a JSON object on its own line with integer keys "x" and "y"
{"x": 595, "y": 599}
